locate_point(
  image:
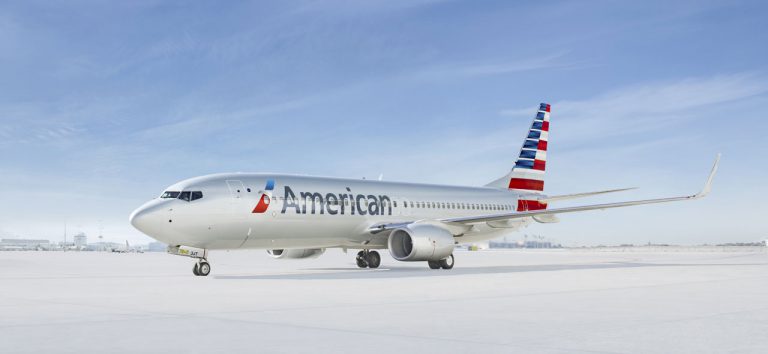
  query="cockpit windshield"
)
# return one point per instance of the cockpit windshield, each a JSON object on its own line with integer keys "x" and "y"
{"x": 185, "y": 196}
{"x": 170, "y": 194}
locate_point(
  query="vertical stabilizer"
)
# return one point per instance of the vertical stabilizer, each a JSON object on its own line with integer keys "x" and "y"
{"x": 528, "y": 173}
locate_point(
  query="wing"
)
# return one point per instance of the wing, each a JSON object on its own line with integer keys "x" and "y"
{"x": 508, "y": 216}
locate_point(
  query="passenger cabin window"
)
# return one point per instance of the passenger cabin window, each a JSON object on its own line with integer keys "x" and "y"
{"x": 169, "y": 194}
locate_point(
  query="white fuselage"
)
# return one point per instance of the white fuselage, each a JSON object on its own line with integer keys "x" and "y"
{"x": 312, "y": 212}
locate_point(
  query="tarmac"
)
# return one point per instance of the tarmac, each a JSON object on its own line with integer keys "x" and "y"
{"x": 506, "y": 301}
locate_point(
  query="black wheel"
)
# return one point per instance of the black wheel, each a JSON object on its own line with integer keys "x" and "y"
{"x": 374, "y": 259}
{"x": 447, "y": 263}
{"x": 434, "y": 264}
{"x": 194, "y": 270}
{"x": 204, "y": 269}
{"x": 360, "y": 259}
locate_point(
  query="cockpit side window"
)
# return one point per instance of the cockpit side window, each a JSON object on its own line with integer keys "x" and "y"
{"x": 170, "y": 194}
{"x": 184, "y": 196}
{"x": 197, "y": 195}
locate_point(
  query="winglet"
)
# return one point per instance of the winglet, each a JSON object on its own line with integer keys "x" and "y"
{"x": 708, "y": 186}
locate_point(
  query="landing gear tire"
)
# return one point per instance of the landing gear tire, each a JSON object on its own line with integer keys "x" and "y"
{"x": 204, "y": 268}
{"x": 360, "y": 259}
{"x": 195, "y": 271}
{"x": 447, "y": 263}
{"x": 374, "y": 259}
{"x": 433, "y": 264}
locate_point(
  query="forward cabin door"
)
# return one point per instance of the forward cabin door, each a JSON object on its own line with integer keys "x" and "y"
{"x": 236, "y": 189}
{"x": 237, "y": 229}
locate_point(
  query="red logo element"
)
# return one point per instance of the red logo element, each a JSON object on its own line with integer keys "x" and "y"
{"x": 263, "y": 204}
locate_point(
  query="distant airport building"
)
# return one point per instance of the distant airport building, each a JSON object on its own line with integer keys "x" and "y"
{"x": 20, "y": 244}
{"x": 81, "y": 241}
{"x": 103, "y": 246}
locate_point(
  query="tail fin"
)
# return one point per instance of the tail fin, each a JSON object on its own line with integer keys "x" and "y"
{"x": 528, "y": 173}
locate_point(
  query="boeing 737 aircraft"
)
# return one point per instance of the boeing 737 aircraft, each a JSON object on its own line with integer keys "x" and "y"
{"x": 296, "y": 216}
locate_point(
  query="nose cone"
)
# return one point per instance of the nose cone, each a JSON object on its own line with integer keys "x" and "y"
{"x": 148, "y": 218}
{"x": 139, "y": 219}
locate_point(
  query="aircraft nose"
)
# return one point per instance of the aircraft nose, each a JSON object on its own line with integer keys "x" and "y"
{"x": 147, "y": 217}
{"x": 139, "y": 219}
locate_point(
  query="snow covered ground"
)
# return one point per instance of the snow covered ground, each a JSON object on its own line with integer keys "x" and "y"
{"x": 552, "y": 301}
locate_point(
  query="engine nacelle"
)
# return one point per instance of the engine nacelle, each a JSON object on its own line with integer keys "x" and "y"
{"x": 420, "y": 242}
{"x": 296, "y": 253}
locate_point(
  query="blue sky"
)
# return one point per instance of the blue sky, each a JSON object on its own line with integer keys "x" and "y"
{"x": 103, "y": 104}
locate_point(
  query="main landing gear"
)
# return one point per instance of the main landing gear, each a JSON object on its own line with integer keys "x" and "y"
{"x": 202, "y": 268}
{"x": 446, "y": 263}
{"x": 368, "y": 259}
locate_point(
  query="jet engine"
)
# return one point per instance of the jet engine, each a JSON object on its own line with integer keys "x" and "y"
{"x": 420, "y": 242}
{"x": 298, "y": 253}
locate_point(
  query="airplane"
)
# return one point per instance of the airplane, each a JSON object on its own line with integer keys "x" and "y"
{"x": 127, "y": 249}
{"x": 296, "y": 216}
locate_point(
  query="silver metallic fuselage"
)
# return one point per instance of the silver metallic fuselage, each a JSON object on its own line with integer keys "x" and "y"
{"x": 225, "y": 219}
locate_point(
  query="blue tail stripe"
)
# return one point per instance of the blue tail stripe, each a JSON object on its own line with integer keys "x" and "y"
{"x": 528, "y": 154}
{"x": 531, "y": 144}
{"x": 524, "y": 163}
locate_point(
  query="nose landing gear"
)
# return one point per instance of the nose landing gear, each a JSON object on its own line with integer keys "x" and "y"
{"x": 368, "y": 259}
{"x": 202, "y": 268}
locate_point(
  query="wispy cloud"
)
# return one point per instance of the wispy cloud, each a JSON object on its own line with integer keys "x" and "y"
{"x": 358, "y": 8}
{"x": 488, "y": 68}
{"x": 652, "y": 106}
{"x": 36, "y": 122}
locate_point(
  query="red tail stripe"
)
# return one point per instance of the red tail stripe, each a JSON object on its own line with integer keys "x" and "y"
{"x": 529, "y": 184}
{"x": 542, "y": 145}
{"x": 525, "y": 205}
{"x": 539, "y": 165}
{"x": 545, "y": 126}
